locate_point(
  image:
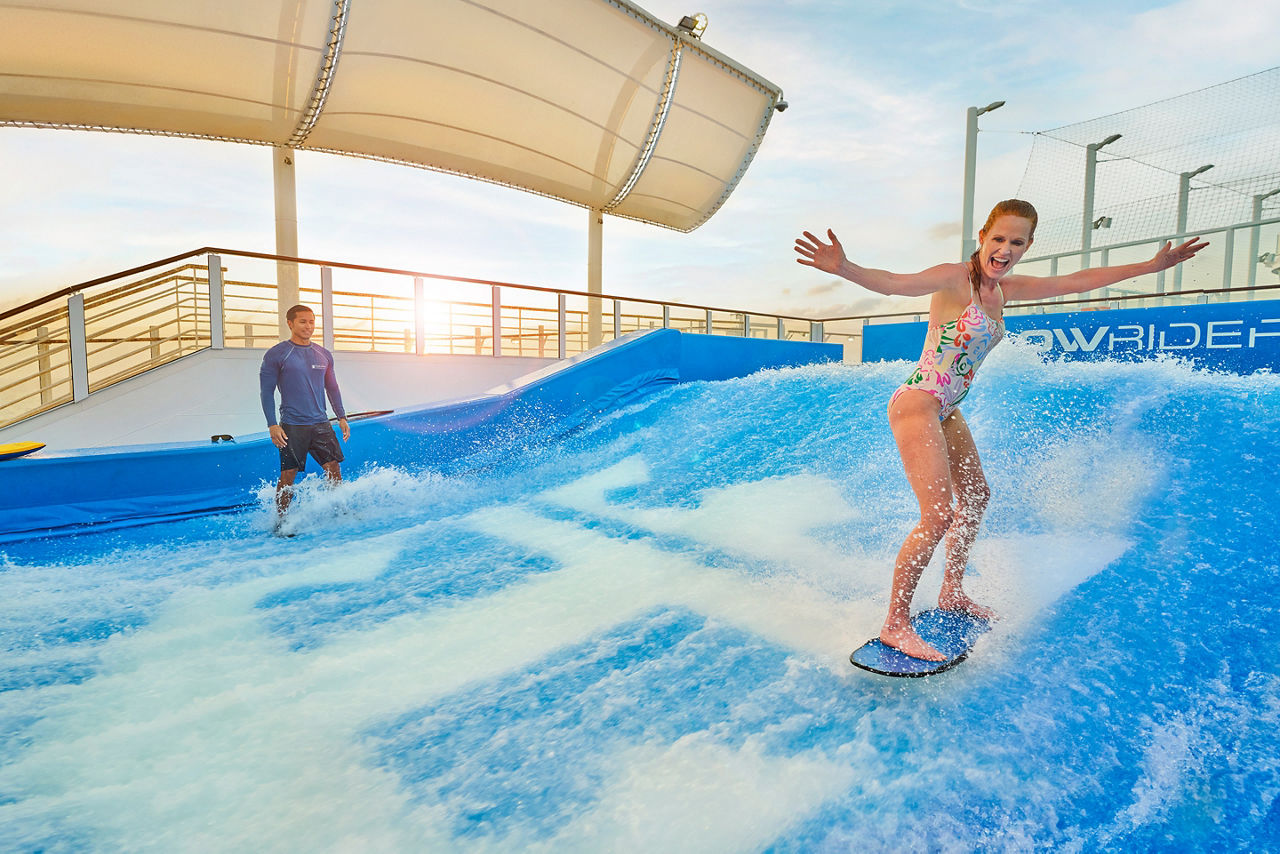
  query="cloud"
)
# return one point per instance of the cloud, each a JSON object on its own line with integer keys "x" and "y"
{"x": 944, "y": 230}
{"x": 825, "y": 288}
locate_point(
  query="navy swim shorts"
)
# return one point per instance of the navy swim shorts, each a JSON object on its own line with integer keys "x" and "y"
{"x": 318, "y": 440}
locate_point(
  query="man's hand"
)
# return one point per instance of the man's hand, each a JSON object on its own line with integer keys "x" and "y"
{"x": 346, "y": 429}
{"x": 278, "y": 437}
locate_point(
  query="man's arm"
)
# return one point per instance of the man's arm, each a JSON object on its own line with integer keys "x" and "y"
{"x": 268, "y": 376}
{"x": 335, "y": 397}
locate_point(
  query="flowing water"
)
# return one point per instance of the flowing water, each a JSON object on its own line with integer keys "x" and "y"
{"x": 634, "y": 638}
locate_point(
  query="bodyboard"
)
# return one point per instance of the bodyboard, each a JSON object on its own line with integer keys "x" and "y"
{"x": 19, "y": 449}
{"x": 952, "y": 633}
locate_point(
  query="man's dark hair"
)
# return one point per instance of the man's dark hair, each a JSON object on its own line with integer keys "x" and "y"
{"x": 293, "y": 312}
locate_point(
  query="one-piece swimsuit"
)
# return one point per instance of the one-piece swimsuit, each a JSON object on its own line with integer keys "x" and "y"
{"x": 952, "y": 353}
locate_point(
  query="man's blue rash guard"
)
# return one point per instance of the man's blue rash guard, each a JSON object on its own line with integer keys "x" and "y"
{"x": 304, "y": 374}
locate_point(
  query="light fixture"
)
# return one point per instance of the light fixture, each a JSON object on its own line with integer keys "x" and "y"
{"x": 1102, "y": 222}
{"x": 994, "y": 105}
{"x": 694, "y": 25}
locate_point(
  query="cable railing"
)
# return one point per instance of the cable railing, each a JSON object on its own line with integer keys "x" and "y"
{"x": 85, "y": 338}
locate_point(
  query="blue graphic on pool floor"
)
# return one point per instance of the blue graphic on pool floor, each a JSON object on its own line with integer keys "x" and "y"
{"x": 533, "y": 749}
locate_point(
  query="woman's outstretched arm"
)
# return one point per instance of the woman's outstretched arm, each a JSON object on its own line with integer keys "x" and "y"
{"x": 830, "y": 258}
{"x": 1018, "y": 287}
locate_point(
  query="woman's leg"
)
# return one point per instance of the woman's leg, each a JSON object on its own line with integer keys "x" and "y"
{"x": 913, "y": 416}
{"x": 972, "y": 493}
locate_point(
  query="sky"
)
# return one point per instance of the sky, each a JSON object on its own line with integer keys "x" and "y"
{"x": 872, "y": 146}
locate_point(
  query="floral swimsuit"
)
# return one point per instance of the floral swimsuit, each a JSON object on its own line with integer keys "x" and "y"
{"x": 952, "y": 353}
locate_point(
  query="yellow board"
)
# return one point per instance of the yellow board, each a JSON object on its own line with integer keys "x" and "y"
{"x": 19, "y": 449}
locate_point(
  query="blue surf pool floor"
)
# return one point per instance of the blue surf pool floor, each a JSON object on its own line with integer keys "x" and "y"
{"x": 635, "y": 638}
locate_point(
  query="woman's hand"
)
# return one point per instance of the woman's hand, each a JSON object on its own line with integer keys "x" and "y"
{"x": 1168, "y": 257}
{"x": 829, "y": 258}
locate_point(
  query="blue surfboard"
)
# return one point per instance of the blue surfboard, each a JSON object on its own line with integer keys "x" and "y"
{"x": 952, "y": 633}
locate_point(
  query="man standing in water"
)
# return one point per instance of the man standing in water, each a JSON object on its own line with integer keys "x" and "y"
{"x": 304, "y": 374}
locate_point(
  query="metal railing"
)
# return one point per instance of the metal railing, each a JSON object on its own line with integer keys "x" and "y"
{"x": 74, "y": 342}
{"x": 84, "y": 338}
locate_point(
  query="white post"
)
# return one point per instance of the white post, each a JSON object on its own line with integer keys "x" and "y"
{"x": 595, "y": 276}
{"x": 1090, "y": 169}
{"x": 419, "y": 316}
{"x": 561, "y": 324}
{"x": 217, "y": 327}
{"x": 666, "y": 317}
{"x": 43, "y": 364}
{"x": 1254, "y": 235}
{"x": 967, "y": 241}
{"x": 326, "y": 306}
{"x": 286, "y": 194}
{"x": 708, "y": 321}
{"x": 497, "y": 320}
{"x": 79, "y": 348}
{"x": 617, "y": 318}
{"x": 782, "y": 330}
{"x": 1180, "y": 227}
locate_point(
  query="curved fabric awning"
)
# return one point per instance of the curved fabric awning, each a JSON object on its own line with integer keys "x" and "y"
{"x": 591, "y": 101}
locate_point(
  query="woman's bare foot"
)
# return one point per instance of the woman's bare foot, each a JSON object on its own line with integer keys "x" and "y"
{"x": 962, "y": 603}
{"x": 905, "y": 640}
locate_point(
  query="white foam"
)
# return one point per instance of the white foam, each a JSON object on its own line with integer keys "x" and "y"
{"x": 697, "y": 795}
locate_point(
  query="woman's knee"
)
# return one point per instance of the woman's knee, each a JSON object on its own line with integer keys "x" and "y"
{"x": 934, "y": 522}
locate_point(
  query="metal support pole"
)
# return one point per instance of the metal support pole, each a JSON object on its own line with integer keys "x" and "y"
{"x": 746, "y": 325}
{"x": 1255, "y": 234}
{"x": 617, "y": 318}
{"x": 666, "y": 317}
{"x": 44, "y": 363}
{"x": 1090, "y": 169}
{"x": 816, "y": 332}
{"x": 1105, "y": 261}
{"x": 1086, "y": 230}
{"x": 561, "y": 325}
{"x": 967, "y": 241}
{"x": 419, "y": 315}
{"x": 79, "y": 347}
{"x": 708, "y": 321}
{"x": 326, "y": 307}
{"x": 1180, "y": 226}
{"x": 782, "y": 330}
{"x": 497, "y": 320}
{"x": 217, "y": 305}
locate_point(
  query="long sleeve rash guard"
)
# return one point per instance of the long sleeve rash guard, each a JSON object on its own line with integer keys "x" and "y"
{"x": 303, "y": 374}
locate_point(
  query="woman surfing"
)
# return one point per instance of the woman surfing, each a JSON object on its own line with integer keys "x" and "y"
{"x": 966, "y": 320}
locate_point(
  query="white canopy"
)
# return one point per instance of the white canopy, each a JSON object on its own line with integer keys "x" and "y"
{"x": 590, "y": 101}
